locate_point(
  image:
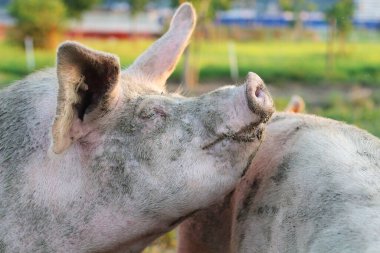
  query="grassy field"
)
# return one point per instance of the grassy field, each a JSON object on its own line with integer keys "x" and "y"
{"x": 277, "y": 62}
{"x": 363, "y": 112}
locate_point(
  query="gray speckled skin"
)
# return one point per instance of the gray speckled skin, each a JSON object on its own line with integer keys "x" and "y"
{"x": 313, "y": 186}
{"x": 95, "y": 159}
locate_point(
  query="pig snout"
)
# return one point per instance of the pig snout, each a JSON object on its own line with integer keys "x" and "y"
{"x": 243, "y": 112}
{"x": 252, "y": 105}
{"x": 258, "y": 98}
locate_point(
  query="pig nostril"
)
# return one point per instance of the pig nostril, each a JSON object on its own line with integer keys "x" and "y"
{"x": 258, "y": 92}
{"x": 257, "y": 96}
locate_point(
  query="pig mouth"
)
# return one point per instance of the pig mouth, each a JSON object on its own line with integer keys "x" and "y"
{"x": 248, "y": 133}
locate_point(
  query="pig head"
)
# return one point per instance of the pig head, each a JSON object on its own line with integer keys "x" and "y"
{"x": 96, "y": 159}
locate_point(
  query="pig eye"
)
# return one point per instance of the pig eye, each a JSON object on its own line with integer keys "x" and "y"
{"x": 152, "y": 112}
{"x": 146, "y": 114}
{"x": 160, "y": 112}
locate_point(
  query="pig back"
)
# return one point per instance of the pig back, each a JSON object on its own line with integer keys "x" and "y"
{"x": 313, "y": 187}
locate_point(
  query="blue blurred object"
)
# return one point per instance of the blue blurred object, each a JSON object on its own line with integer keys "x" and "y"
{"x": 282, "y": 21}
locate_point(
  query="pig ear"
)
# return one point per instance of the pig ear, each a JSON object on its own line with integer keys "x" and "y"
{"x": 157, "y": 63}
{"x": 296, "y": 105}
{"x": 88, "y": 88}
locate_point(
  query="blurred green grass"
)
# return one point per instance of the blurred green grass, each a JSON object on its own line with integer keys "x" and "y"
{"x": 364, "y": 113}
{"x": 277, "y": 62}
{"x": 281, "y": 62}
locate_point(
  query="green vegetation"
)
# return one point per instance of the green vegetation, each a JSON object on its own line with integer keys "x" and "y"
{"x": 13, "y": 62}
{"x": 279, "y": 62}
{"x": 364, "y": 113}
{"x": 341, "y": 14}
{"x": 276, "y": 62}
{"x": 75, "y": 8}
{"x": 137, "y": 5}
{"x": 43, "y": 20}
{"x": 38, "y": 19}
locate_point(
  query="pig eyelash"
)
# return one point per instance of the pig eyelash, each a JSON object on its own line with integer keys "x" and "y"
{"x": 160, "y": 112}
{"x": 145, "y": 114}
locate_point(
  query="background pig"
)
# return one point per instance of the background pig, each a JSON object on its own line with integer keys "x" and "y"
{"x": 313, "y": 186}
{"x": 95, "y": 160}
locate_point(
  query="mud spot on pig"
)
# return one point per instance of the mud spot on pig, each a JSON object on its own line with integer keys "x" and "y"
{"x": 368, "y": 156}
{"x": 248, "y": 200}
{"x": 41, "y": 246}
{"x": 266, "y": 210}
{"x": 114, "y": 176}
{"x": 241, "y": 239}
{"x": 17, "y": 111}
{"x": 189, "y": 130}
{"x": 34, "y": 214}
{"x": 20, "y": 134}
{"x": 282, "y": 170}
{"x": 175, "y": 154}
{"x": 3, "y": 246}
{"x": 212, "y": 120}
{"x": 143, "y": 154}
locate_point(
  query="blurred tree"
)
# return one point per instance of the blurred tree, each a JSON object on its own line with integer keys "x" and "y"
{"x": 137, "y": 5}
{"x": 75, "y": 8}
{"x": 339, "y": 16}
{"x": 40, "y": 19}
{"x": 206, "y": 11}
{"x": 297, "y": 6}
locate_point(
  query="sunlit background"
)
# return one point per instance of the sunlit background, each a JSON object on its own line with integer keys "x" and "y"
{"x": 326, "y": 51}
